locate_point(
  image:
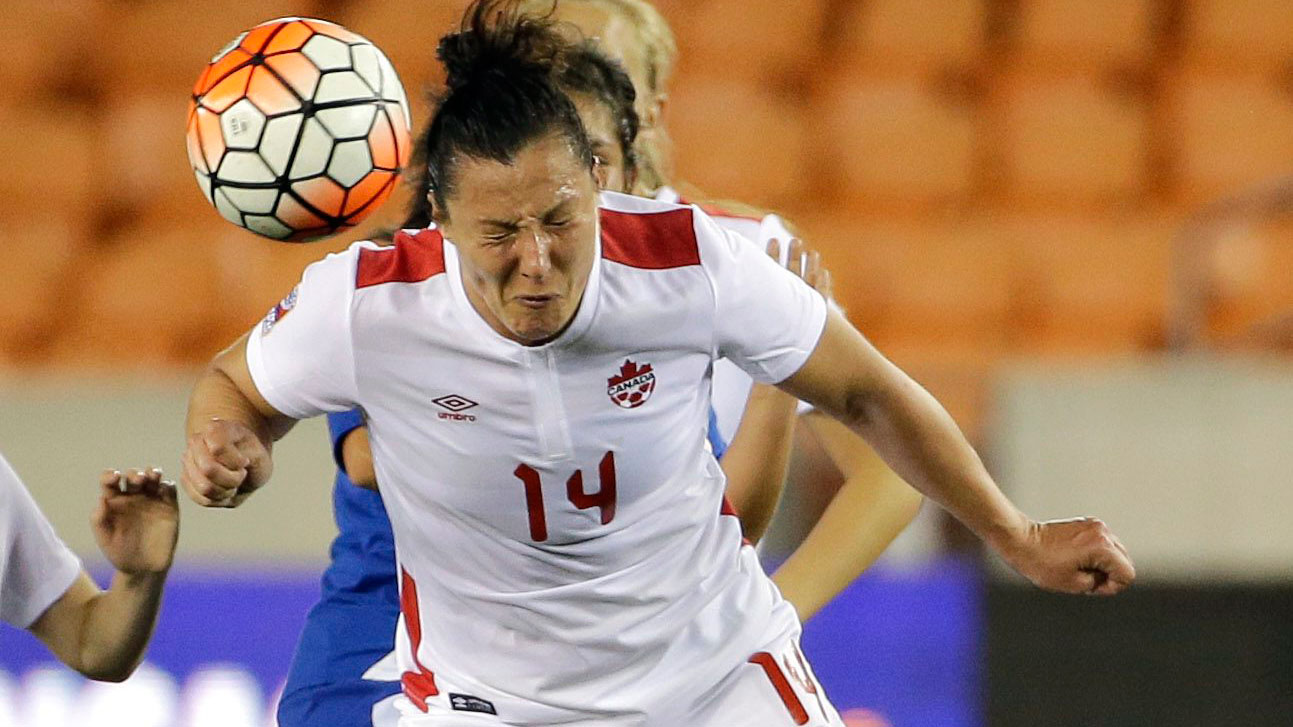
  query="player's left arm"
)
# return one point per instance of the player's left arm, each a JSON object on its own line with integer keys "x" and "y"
{"x": 103, "y": 634}
{"x": 847, "y": 378}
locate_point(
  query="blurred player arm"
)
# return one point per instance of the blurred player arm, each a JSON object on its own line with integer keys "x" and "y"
{"x": 103, "y": 634}
{"x": 758, "y": 456}
{"x": 847, "y": 378}
{"x": 350, "y": 448}
{"x": 871, "y": 508}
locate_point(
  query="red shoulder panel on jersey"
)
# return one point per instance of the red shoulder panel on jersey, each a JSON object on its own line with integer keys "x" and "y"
{"x": 415, "y": 257}
{"x": 650, "y": 240}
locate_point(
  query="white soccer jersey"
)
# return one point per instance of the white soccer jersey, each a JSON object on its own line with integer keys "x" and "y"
{"x": 36, "y": 567}
{"x": 731, "y": 384}
{"x": 556, "y": 510}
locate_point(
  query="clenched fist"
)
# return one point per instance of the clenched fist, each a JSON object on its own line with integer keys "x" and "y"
{"x": 1071, "y": 556}
{"x": 224, "y": 463}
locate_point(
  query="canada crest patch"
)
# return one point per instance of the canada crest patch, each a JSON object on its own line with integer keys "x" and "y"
{"x": 632, "y": 386}
{"x": 278, "y": 312}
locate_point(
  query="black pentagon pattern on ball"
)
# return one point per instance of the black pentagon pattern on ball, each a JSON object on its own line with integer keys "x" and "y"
{"x": 308, "y": 109}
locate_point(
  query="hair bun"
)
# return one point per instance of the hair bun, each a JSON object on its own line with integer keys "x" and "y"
{"x": 498, "y": 37}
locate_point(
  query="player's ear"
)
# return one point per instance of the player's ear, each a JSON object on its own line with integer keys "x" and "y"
{"x": 438, "y": 215}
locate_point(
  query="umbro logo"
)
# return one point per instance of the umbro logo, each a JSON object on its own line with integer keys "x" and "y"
{"x": 455, "y": 405}
{"x": 468, "y": 703}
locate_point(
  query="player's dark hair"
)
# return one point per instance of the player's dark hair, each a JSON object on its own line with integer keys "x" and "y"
{"x": 501, "y": 93}
{"x": 575, "y": 67}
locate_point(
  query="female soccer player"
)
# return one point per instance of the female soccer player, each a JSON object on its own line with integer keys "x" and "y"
{"x": 562, "y": 556}
{"x": 335, "y": 678}
{"x": 101, "y": 634}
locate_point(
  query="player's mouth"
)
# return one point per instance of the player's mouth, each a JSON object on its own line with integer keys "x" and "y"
{"x": 536, "y": 302}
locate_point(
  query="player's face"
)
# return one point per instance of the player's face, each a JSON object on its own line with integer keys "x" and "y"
{"x": 603, "y": 134}
{"x": 526, "y": 235}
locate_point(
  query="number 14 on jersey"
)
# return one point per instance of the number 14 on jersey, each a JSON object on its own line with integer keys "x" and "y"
{"x": 603, "y": 498}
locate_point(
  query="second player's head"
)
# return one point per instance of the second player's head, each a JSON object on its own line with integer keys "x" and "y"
{"x": 511, "y": 172}
{"x": 634, "y": 33}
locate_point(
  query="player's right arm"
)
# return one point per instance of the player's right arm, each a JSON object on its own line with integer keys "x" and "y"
{"x": 298, "y": 363}
{"x": 231, "y": 430}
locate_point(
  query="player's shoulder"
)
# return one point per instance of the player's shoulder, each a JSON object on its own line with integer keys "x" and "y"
{"x": 412, "y": 257}
{"x": 647, "y": 233}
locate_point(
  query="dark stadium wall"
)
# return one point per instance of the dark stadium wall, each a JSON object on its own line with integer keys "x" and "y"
{"x": 1170, "y": 655}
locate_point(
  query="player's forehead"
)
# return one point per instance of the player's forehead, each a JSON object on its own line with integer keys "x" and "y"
{"x": 542, "y": 175}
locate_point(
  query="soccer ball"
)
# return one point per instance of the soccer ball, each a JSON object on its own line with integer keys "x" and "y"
{"x": 298, "y": 129}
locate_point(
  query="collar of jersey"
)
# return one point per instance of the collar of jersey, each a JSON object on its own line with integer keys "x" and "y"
{"x": 577, "y": 328}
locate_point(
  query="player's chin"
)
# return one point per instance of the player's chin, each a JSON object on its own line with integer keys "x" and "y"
{"x": 535, "y": 326}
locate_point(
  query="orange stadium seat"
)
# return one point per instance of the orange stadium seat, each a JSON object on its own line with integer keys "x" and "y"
{"x": 142, "y": 153}
{"x": 1089, "y": 285}
{"x": 1072, "y": 140}
{"x": 48, "y": 155}
{"x": 892, "y": 141}
{"x": 739, "y": 141}
{"x": 1247, "y": 281}
{"x": 161, "y": 46}
{"x": 914, "y": 281}
{"x": 748, "y": 38}
{"x": 151, "y": 301}
{"x": 1062, "y": 34}
{"x": 1252, "y": 34}
{"x": 1234, "y": 131}
{"x": 47, "y": 46}
{"x": 38, "y": 270}
{"x": 906, "y": 36}
{"x": 174, "y": 291}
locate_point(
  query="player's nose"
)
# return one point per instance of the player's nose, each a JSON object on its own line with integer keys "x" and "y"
{"x": 535, "y": 254}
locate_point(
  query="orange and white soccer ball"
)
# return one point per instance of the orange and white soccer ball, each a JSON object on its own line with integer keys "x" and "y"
{"x": 298, "y": 129}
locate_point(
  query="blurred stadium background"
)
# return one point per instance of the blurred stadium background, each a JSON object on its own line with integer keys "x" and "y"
{"x": 1071, "y": 219}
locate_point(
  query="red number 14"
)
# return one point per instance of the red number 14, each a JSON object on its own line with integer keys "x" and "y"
{"x": 604, "y": 498}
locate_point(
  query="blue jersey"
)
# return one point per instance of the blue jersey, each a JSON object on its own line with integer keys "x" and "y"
{"x": 352, "y": 627}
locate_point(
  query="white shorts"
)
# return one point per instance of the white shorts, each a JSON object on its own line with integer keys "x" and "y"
{"x": 774, "y": 688}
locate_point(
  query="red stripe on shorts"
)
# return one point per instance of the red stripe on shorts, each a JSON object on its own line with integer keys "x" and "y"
{"x": 782, "y": 685}
{"x": 418, "y": 685}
